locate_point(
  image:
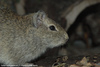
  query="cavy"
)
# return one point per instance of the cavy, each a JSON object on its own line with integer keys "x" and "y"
{"x": 23, "y": 38}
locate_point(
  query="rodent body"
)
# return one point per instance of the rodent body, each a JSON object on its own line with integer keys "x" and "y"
{"x": 23, "y": 38}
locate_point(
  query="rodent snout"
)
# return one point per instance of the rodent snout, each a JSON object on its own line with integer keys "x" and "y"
{"x": 66, "y": 36}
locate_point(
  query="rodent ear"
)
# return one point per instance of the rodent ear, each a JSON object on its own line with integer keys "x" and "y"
{"x": 38, "y": 18}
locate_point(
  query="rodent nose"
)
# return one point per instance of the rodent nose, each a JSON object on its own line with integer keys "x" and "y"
{"x": 66, "y": 36}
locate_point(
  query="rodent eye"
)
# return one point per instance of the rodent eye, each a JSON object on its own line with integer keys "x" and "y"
{"x": 52, "y": 28}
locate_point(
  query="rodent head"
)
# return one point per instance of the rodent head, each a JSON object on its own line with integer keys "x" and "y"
{"x": 47, "y": 31}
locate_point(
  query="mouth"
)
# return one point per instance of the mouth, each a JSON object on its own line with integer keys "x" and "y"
{"x": 59, "y": 43}
{"x": 62, "y": 43}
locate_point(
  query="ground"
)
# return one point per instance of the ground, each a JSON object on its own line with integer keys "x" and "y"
{"x": 84, "y": 60}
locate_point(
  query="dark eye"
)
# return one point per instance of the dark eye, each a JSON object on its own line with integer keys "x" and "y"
{"x": 52, "y": 28}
